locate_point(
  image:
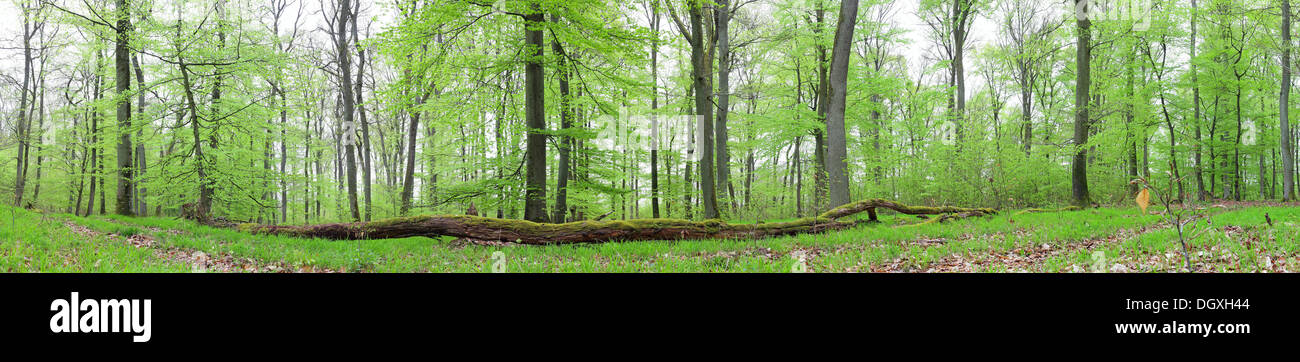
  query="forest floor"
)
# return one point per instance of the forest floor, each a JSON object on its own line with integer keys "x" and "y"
{"x": 1223, "y": 237}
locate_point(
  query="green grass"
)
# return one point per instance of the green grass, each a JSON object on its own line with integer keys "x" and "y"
{"x": 1035, "y": 242}
{"x": 35, "y": 242}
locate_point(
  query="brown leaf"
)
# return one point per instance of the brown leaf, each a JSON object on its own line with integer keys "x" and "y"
{"x": 1144, "y": 200}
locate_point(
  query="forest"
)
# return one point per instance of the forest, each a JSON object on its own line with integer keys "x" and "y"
{"x": 765, "y": 117}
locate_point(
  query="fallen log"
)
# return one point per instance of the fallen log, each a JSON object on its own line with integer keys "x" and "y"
{"x": 588, "y": 231}
{"x": 943, "y": 218}
{"x": 1063, "y": 209}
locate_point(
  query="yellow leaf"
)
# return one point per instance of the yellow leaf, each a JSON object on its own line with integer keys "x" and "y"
{"x": 1144, "y": 200}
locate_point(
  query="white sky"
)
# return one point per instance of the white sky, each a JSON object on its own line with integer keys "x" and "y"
{"x": 983, "y": 32}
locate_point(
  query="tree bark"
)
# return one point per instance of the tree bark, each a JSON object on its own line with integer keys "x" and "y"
{"x": 837, "y": 151}
{"x": 94, "y": 134}
{"x": 565, "y": 142}
{"x": 654, "y": 116}
{"x": 724, "y": 102}
{"x": 408, "y": 178}
{"x": 122, "y": 55}
{"x": 1079, "y": 166}
{"x": 535, "y": 117}
{"x": 1288, "y": 165}
{"x": 961, "y": 12}
{"x": 22, "y": 126}
{"x": 1196, "y": 114}
{"x": 141, "y": 207}
{"x": 702, "y": 75}
{"x": 349, "y": 124}
{"x": 822, "y": 96}
{"x": 366, "y": 163}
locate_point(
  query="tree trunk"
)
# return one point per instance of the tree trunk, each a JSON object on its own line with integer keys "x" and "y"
{"x": 122, "y": 55}
{"x": 1079, "y": 167}
{"x": 366, "y": 163}
{"x": 724, "y": 102}
{"x": 961, "y": 14}
{"x": 820, "y": 187}
{"x": 1026, "y": 113}
{"x": 1196, "y": 114}
{"x": 837, "y": 151}
{"x": 654, "y": 116}
{"x": 94, "y": 134}
{"x": 535, "y": 114}
{"x": 349, "y": 123}
{"x": 408, "y": 177}
{"x": 1288, "y": 164}
{"x": 1130, "y": 136}
{"x": 565, "y": 142}
{"x": 21, "y": 172}
{"x": 525, "y": 232}
{"x": 205, "y": 189}
{"x": 702, "y": 75}
{"x": 142, "y": 208}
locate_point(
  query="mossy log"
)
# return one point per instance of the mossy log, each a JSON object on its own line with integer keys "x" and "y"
{"x": 1063, "y": 209}
{"x": 946, "y": 217}
{"x": 527, "y": 232}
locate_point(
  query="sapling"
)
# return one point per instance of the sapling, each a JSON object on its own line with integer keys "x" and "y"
{"x": 1175, "y": 216}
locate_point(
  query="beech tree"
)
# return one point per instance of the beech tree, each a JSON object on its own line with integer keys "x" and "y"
{"x": 316, "y": 112}
{"x": 837, "y": 151}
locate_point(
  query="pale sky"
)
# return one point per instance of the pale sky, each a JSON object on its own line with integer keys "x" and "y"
{"x": 983, "y": 31}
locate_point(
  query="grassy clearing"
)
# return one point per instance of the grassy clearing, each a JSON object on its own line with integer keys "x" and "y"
{"x": 1234, "y": 240}
{"x": 35, "y": 242}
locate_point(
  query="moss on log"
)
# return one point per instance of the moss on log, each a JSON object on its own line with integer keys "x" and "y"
{"x": 1063, "y": 209}
{"x": 527, "y": 232}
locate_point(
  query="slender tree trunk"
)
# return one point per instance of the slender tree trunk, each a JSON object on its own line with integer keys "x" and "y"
{"x": 408, "y": 178}
{"x": 23, "y": 134}
{"x": 1026, "y": 114}
{"x": 820, "y": 187}
{"x": 1196, "y": 114}
{"x": 961, "y": 15}
{"x": 349, "y": 124}
{"x": 654, "y": 115}
{"x": 284, "y": 157}
{"x": 1284, "y": 105}
{"x": 565, "y": 142}
{"x": 81, "y": 174}
{"x": 205, "y": 189}
{"x": 94, "y": 133}
{"x": 1083, "y": 65}
{"x": 1236, "y": 149}
{"x": 704, "y": 105}
{"x": 366, "y": 161}
{"x": 724, "y": 101}
{"x": 122, "y": 55}
{"x": 142, "y": 208}
{"x": 798, "y": 177}
{"x": 1130, "y": 135}
{"x": 40, "y": 125}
